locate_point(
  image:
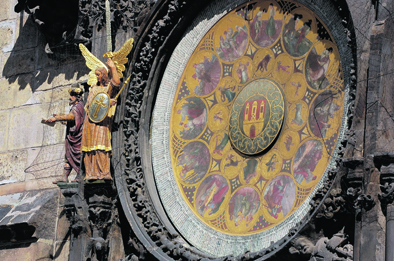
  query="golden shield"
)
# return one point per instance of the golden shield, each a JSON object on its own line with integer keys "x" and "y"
{"x": 99, "y": 107}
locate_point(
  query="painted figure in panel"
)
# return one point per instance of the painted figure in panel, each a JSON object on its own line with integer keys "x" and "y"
{"x": 243, "y": 72}
{"x": 227, "y": 93}
{"x": 295, "y": 40}
{"x": 193, "y": 118}
{"x": 322, "y": 110}
{"x": 243, "y": 205}
{"x": 250, "y": 170}
{"x": 221, "y": 144}
{"x": 233, "y": 44}
{"x": 265, "y": 32}
{"x": 194, "y": 162}
{"x": 316, "y": 68}
{"x": 306, "y": 160}
{"x": 279, "y": 196}
{"x": 208, "y": 74}
{"x": 211, "y": 194}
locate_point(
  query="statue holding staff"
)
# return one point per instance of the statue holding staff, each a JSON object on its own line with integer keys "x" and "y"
{"x": 104, "y": 81}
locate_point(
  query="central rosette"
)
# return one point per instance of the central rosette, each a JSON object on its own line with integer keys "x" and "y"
{"x": 256, "y": 116}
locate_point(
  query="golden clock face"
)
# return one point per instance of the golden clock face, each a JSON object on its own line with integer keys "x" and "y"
{"x": 255, "y": 118}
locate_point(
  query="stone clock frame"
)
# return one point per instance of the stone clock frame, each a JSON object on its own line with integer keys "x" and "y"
{"x": 135, "y": 183}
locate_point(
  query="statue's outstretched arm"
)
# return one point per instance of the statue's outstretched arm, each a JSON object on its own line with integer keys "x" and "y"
{"x": 62, "y": 117}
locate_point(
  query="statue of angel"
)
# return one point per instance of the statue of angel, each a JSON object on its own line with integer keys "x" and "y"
{"x": 104, "y": 81}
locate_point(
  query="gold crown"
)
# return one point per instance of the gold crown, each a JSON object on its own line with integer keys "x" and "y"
{"x": 77, "y": 90}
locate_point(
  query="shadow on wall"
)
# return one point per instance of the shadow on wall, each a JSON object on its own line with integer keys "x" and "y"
{"x": 16, "y": 236}
{"x": 29, "y": 64}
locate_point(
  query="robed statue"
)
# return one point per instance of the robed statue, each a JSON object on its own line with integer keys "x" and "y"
{"x": 104, "y": 81}
{"x": 74, "y": 121}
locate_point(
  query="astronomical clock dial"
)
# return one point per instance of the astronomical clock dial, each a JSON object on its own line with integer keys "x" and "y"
{"x": 252, "y": 122}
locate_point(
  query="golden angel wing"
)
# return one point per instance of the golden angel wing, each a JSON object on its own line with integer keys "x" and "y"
{"x": 92, "y": 62}
{"x": 120, "y": 57}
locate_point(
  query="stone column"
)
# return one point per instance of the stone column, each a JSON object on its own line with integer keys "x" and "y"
{"x": 372, "y": 237}
{"x": 354, "y": 187}
{"x": 385, "y": 162}
{"x": 390, "y": 232}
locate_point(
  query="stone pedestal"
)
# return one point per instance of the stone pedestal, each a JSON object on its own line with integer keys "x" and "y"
{"x": 76, "y": 211}
{"x": 100, "y": 197}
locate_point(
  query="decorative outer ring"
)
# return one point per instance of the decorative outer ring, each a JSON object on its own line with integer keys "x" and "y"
{"x": 158, "y": 34}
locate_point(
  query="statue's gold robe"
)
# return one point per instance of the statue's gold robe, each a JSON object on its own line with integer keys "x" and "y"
{"x": 96, "y": 138}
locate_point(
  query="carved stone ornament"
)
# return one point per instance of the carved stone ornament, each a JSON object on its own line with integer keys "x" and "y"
{"x": 67, "y": 25}
{"x": 364, "y": 202}
{"x": 101, "y": 202}
{"x": 125, "y": 15}
{"x": 387, "y": 196}
{"x": 134, "y": 174}
{"x": 333, "y": 203}
{"x": 335, "y": 248}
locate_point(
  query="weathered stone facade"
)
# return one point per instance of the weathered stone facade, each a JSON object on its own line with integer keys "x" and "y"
{"x": 125, "y": 220}
{"x": 33, "y": 86}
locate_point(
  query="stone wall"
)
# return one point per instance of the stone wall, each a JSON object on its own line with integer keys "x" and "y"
{"x": 33, "y": 85}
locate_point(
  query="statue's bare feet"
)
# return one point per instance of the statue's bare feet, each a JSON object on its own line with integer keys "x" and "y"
{"x": 63, "y": 179}
{"x": 76, "y": 180}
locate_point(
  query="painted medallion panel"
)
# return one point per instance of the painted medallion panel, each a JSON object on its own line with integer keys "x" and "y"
{"x": 255, "y": 118}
